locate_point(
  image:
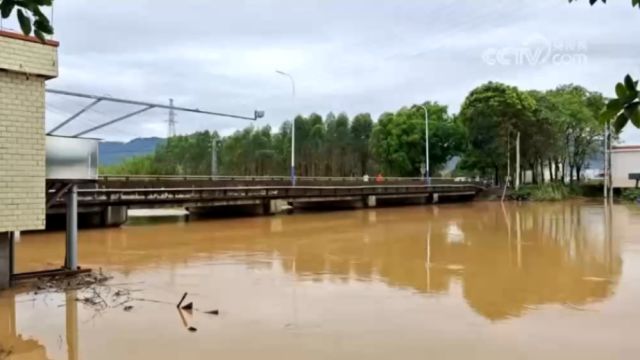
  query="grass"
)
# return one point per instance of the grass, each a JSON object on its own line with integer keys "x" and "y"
{"x": 547, "y": 192}
{"x": 631, "y": 195}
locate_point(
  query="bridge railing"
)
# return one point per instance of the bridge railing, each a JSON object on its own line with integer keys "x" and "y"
{"x": 141, "y": 196}
{"x": 283, "y": 179}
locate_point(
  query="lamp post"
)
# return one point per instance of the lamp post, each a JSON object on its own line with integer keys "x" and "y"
{"x": 293, "y": 128}
{"x": 426, "y": 144}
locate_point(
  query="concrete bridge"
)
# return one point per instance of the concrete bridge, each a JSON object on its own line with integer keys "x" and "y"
{"x": 106, "y": 201}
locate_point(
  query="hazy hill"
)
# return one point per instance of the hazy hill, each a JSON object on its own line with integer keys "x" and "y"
{"x": 112, "y": 152}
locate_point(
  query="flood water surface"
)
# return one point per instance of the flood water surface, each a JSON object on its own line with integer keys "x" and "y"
{"x": 460, "y": 281}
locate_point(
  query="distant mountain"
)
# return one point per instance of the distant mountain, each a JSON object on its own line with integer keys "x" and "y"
{"x": 113, "y": 152}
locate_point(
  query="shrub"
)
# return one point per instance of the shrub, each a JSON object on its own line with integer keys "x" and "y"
{"x": 546, "y": 192}
{"x": 631, "y": 195}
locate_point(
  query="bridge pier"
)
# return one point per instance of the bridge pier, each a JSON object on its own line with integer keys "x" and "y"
{"x": 370, "y": 201}
{"x": 114, "y": 216}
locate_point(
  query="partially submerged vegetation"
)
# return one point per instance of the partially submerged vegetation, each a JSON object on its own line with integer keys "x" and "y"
{"x": 556, "y": 192}
{"x": 631, "y": 195}
{"x": 546, "y": 192}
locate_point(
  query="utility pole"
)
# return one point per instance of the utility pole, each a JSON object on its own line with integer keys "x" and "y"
{"x": 214, "y": 157}
{"x": 508, "y": 159}
{"x": 293, "y": 128}
{"x": 606, "y": 160}
{"x": 427, "y": 173}
{"x": 426, "y": 145}
{"x": 172, "y": 120}
{"x": 517, "y": 185}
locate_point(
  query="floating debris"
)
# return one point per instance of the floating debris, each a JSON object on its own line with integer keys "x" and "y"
{"x": 128, "y": 308}
{"x": 213, "y": 312}
{"x": 192, "y": 329}
{"x": 181, "y": 300}
{"x": 188, "y": 306}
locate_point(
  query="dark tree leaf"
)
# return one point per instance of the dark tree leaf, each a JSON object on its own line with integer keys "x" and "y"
{"x": 621, "y": 90}
{"x": 25, "y": 22}
{"x": 608, "y": 115}
{"x": 6, "y": 7}
{"x": 40, "y": 35}
{"x": 629, "y": 83}
{"x": 615, "y": 105}
{"x": 620, "y": 122}
{"x": 632, "y": 111}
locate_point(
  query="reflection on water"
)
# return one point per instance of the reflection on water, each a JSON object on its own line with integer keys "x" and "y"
{"x": 328, "y": 275}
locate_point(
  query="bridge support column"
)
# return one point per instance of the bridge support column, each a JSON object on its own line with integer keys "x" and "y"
{"x": 370, "y": 201}
{"x": 6, "y": 259}
{"x": 271, "y": 207}
{"x": 71, "y": 258}
{"x": 115, "y": 215}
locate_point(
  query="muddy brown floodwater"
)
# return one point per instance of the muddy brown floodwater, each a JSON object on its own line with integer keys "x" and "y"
{"x": 459, "y": 281}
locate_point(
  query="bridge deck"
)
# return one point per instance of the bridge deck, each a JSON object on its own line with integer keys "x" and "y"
{"x": 202, "y": 196}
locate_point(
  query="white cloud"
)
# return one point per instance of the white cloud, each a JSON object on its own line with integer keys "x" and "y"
{"x": 351, "y": 56}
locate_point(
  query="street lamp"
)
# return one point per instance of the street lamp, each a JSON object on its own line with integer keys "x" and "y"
{"x": 293, "y": 128}
{"x": 426, "y": 143}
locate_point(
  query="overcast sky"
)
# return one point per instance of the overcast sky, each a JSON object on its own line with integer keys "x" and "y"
{"x": 345, "y": 55}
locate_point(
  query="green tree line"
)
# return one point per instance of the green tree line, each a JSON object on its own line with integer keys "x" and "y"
{"x": 559, "y": 131}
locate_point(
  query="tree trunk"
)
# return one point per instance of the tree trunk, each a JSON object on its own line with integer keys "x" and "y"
{"x": 570, "y": 174}
{"x": 578, "y": 171}
{"x": 552, "y": 175}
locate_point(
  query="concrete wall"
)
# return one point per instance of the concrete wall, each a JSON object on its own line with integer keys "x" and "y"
{"x": 25, "y": 65}
{"x": 624, "y": 160}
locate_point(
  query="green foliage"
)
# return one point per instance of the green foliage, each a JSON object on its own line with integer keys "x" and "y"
{"x": 334, "y": 146}
{"x": 138, "y": 165}
{"x": 631, "y": 195}
{"x": 556, "y": 127}
{"x": 492, "y": 114}
{"x": 398, "y": 140}
{"x": 626, "y": 107}
{"x": 546, "y": 192}
{"x": 30, "y": 16}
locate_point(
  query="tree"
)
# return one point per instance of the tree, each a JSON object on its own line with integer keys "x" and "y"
{"x": 360, "y": 130}
{"x": 398, "y": 139}
{"x": 492, "y": 114}
{"x": 577, "y": 111}
{"x": 30, "y": 16}
{"x": 626, "y": 107}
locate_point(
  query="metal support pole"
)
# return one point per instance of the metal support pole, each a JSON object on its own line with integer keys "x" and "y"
{"x": 609, "y": 151}
{"x": 114, "y": 121}
{"x": 144, "y": 103}
{"x": 74, "y": 116}
{"x": 293, "y": 128}
{"x": 606, "y": 161}
{"x": 71, "y": 259}
{"x": 293, "y": 152}
{"x": 427, "y": 171}
{"x": 13, "y": 238}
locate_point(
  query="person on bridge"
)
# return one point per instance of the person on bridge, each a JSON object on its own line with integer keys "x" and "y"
{"x": 379, "y": 178}
{"x": 365, "y": 178}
